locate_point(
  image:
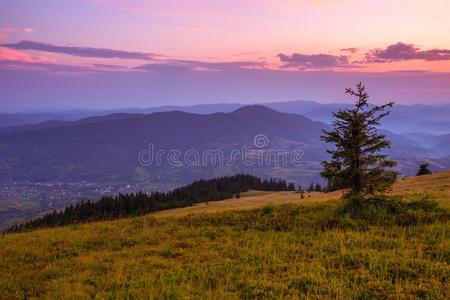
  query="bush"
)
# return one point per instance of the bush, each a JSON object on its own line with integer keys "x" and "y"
{"x": 268, "y": 210}
{"x": 394, "y": 210}
{"x": 424, "y": 203}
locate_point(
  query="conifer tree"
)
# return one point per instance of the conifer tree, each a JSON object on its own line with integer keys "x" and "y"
{"x": 423, "y": 170}
{"x": 356, "y": 161}
{"x": 318, "y": 188}
{"x": 291, "y": 186}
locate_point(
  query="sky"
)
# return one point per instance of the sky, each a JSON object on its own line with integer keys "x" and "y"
{"x": 70, "y": 54}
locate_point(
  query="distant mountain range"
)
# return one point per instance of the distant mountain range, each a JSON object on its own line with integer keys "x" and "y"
{"x": 106, "y": 148}
{"x": 403, "y": 119}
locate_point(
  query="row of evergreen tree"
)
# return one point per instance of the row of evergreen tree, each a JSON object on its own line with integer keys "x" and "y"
{"x": 314, "y": 188}
{"x": 140, "y": 203}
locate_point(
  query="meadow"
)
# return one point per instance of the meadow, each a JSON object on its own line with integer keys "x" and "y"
{"x": 262, "y": 245}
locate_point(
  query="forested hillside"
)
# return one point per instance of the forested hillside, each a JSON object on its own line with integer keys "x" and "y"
{"x": 140, "y": 203}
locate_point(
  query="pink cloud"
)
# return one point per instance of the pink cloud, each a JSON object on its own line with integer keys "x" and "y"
{"x": 13, "y": 55}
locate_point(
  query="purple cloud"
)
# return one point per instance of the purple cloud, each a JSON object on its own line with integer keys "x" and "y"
{"x": 162, "y": 67}
{"x": 315, "y": 61}
{"x": 107, "y": 66}
{"x": 351, "y": 50}
{"x": 402, "y": 51}
{"x": 46, "y": 68}
{"x": 193, "y": 65}
{"x": 81, "y": 51}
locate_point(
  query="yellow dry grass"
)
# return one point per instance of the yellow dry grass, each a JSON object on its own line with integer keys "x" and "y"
{"x": 289, "y": 251}
{"x": 437, "y": 185}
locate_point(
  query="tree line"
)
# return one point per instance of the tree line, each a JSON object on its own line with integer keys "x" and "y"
{"x": 124, "y": 205}
{"x": 314, "y": 188}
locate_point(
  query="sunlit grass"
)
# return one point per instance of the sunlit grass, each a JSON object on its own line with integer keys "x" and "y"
{"x": 302, "y": 249}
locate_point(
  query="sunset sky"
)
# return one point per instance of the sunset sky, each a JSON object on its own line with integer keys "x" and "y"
{"x": 63, "y": 54}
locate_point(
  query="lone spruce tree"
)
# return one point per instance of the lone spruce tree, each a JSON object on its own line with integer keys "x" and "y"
{"x": 356, "y": 161}
{"x": 423, "y": 170}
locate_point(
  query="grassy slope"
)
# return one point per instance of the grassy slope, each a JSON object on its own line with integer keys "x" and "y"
{"x": 276, "y": 251}
{"x": 437, "y": 185}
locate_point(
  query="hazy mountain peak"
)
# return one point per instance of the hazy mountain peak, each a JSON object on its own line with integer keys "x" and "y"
{"x": 255, "y": 109}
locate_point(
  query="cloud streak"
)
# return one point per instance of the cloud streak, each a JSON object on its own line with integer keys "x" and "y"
{"x": 402, "y": 51}
{"x": 12, "y": 29}
{"x": 351, "y": 50}
{"x": 12, "y": 59}
{"x": 45, "y": 68}
{"x": 81, "y": 51}
{"x": 193, "y": 65}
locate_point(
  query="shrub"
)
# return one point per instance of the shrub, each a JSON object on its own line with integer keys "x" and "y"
{"x": 268, "y": 210}
{"x": 394, "y": 210}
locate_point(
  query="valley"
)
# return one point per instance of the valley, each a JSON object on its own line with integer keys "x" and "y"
{"x": 51, "y": 165}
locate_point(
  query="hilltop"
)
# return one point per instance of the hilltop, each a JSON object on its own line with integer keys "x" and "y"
{"x": 264, "y": 244}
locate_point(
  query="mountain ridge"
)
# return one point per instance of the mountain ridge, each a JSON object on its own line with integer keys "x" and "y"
{"x": 120, "y": 135}
{"x": 405, "y": 118}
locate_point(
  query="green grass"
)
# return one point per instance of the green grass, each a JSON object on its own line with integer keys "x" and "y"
{"x": 319, "y": 250}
